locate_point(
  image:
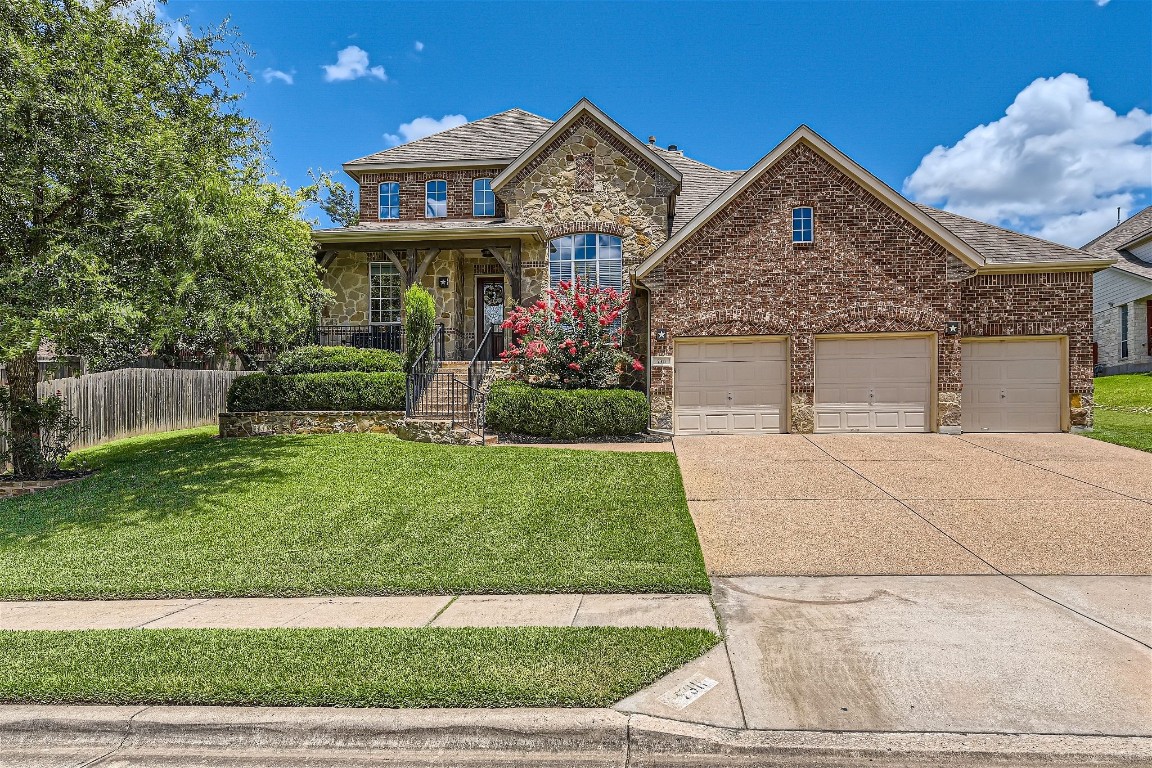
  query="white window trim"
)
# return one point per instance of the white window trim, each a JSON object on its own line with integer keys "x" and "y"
{"x": 380, "y": 205}
{"x": 597, "y": 261}
{"x": 489, "y": 190}
{"x": 371, "y": 297}
{"x": 426, "y": 185}
{"x": 811, "y": 224}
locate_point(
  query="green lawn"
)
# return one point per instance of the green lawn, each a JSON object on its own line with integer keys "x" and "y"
{"x": 185, "y": 514}
{"x": 1119, "y": 420}
{"x": 507, "y": 667}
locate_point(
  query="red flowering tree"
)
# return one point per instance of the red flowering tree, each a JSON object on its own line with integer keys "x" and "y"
{"x": 572, "y": 340}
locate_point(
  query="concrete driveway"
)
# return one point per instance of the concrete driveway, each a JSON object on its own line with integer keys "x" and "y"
{"x": 921, "y": 583}
{"x": 825, "y": 505}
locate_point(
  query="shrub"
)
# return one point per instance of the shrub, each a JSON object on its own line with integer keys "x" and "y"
{"x": 571, "y": 341}
{"x": 335, "y": 360}
{"x": 564, "y": 414}
{"x": 419, "y": 323}
{"x": 318, "y": 392}
{"x": 57, "y": 427}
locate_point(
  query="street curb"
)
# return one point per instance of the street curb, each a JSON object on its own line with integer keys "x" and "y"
{"x": 515, "y": 737}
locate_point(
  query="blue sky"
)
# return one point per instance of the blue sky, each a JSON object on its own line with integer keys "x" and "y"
{"x": 886, "y": 82}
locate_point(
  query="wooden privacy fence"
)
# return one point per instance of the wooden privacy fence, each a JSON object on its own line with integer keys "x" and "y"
{"x": 135, "y": 401}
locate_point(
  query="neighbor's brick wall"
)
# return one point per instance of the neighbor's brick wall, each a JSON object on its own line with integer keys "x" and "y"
{"x": 412, "y": 186}
{"x": 869, "y": 270}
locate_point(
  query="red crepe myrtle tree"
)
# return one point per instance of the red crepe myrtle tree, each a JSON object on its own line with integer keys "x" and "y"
{"x": 572, "y": 340}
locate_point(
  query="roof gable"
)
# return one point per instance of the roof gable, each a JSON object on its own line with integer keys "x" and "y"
{"x": 808, "y": 137}
{"x": 495, "y": 139}
{"x": 1128, "y": 232}
{"x": 583, "y": 109}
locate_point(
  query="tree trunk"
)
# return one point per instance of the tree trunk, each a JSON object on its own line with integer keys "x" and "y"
{"x": 27, "y": 458}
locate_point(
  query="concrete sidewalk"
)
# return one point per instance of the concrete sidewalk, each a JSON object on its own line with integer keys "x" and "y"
{"x": 124, "y": 737}
{"x": 393, "y": 611}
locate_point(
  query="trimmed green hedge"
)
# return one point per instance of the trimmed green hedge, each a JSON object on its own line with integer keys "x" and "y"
{"x": 318, "y": 392}
{"x": 565, "y": 413}
{"x": 335, "y": 360}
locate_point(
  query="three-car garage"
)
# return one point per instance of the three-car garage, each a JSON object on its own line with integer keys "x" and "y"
{"x": 868, "y": 383}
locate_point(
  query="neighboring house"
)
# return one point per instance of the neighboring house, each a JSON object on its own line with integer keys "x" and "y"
{"x": 1120, "y": 294}
{"x": 801, "y": 295}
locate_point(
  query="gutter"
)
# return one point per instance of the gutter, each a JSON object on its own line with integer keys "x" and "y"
{"x": 1026, "y": 267}
{"x": 408, "y": 235}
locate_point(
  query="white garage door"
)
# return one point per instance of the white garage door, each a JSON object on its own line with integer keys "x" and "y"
{"x": 1011, "y": 386}
{"x": 873, "y": 384}
{"x": 724, "y": 387}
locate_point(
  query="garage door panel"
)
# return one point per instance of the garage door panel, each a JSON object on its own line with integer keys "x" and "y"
{"x": 873, "y": 384}
{"x": 1012, "y": 386}
{"x": 729, "y": 387}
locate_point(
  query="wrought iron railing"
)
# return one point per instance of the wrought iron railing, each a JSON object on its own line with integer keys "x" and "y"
{"x": 444, "y": 395}
{"x": 482, "y": 360}
{"x": 389, "y": 336}
{"x": 423, "y": 372}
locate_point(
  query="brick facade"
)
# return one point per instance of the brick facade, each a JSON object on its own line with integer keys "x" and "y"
{"x": 412, "y": 189}
{"x": 868, "y": 271}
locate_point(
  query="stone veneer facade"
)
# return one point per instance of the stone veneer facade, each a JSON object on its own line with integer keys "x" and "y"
{"x": 868, "y": 271}
{"x": 266, "y": 423}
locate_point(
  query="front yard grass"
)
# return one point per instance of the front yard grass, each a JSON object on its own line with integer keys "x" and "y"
{"x": 505, "y": 667}
{"x": 186, "y": 514}
{"x": 1118, "y": 418}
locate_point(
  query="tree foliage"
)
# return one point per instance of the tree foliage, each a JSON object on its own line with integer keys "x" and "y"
{"x": 334, "y": 198}
{"x": 419, "y": 323}
{"x": 137, "y": 212}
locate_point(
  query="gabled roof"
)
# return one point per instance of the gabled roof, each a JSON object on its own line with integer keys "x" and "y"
{"x": 808, "y": 137}
{"x": 582, "y": 108}
{"x": 1003, "y": 247}
{"x": 1117, "y": 240}
{"x": 494, "y": 140}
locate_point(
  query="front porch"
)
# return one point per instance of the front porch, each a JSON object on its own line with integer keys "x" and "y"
{"x": 474, "y": 282}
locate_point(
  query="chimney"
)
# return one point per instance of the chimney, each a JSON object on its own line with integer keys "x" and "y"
{"x": 651, "y": 141}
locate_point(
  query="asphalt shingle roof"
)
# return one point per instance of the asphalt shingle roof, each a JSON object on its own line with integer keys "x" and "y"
{"x": 1108, "y": 244}
{"x": 700, "y": 185}
{"x": 500, "y": 138}
{"x": 1003, "y": 246}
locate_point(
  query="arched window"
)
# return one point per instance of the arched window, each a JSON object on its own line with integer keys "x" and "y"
{"x": 483, "y": 198}
{"x": 436, "y": 199}
{"x": 595, "y": 259}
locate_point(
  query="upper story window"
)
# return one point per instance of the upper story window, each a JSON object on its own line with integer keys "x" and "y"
{"x": 802, "y": 225}
{"x": 595, "y": 259}
{"x": 436, "y": 199}
{"x": 483, "y": 198}
{"x": 390, "y": 200}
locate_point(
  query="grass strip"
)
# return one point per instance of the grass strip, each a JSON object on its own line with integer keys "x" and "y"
{"x": 1132, "y": 390}
{"x": 426, "y": 667}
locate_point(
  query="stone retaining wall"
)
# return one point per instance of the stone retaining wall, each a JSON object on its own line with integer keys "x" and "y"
{"x": 11, "y": 488}
{"x": 263, "y": 423}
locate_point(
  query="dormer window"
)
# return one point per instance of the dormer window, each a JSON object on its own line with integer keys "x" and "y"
{"x": 483, "y": 198}
{"x": 436, "y": 199}
{"x": 802, "y": 225}
{"x": 389, "y": 200}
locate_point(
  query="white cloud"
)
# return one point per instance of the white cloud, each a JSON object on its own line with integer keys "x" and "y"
{"x": 1056, "y": 165}
{"x": 1102, "y": 3}
{"x": 352, "y": 64}
{"x": 424, "y": 126}
{"x": 419, "y": 46}
{"x": 277, "y": 74}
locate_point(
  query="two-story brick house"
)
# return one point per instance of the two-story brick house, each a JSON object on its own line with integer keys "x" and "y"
{"x": 800, "y": 295}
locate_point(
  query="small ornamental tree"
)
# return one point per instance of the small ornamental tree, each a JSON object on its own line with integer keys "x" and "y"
{"x": 419, "y": 323}
{"x": 570, "y": 341}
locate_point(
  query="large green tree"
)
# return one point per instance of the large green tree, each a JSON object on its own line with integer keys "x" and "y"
{"x": 136, "y": 210}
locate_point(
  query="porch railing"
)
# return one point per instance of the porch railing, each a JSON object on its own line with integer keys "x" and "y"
{"x": 423, "y": 372}
{"x": 389, "y": 336}
{"x": 482, "y": 360}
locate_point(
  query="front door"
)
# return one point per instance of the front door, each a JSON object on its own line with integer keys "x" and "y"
{"x": 490, "y": 310}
